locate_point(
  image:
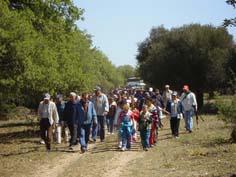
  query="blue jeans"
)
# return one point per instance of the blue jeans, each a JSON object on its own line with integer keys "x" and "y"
{"x": 84, "y": 135}
{"x": 94, "y": 131}
{"x": 101, "y": 124}
{"x": 110, "y": 125}
{"x": 126, "y": 137}
{"x": 145, "y": 135}
{"x": 188, "y": 118}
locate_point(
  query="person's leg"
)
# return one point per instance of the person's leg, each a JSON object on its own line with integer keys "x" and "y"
{"x": 73, "y": 133}
{"x": 128, "y": 138}
{"x": 49, "y": 135}
{"x": 82, "y": 136}
{"x": 174, "y": 122}
{"x": 108, "y": 124}
{"x": 111, "y": 122}
{"x": 142, "y": 135}
{"x": 172, "y": 125}
{"x": 190, "y": 121}
{"x": 147, "y": 138}
{"x": 152, "y": 134}
{"x": 94, "y": 131}
{"x": 102, "y": 127}
{"x": 87, "y": 133}
{"x": 156, "y": 133}
{"x": 177, "y": 127}
{"x": 124, "y": 137}
{"x": 42, "y": 130}
{"x": 186, "y": 119}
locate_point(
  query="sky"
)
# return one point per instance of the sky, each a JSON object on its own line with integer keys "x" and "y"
{"x": 118, "y": 26}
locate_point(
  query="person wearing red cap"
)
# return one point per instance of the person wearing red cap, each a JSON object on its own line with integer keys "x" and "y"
{"x": 189, "y": 103}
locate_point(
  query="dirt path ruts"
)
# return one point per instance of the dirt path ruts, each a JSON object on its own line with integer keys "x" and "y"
{"x": 120, "y": 162}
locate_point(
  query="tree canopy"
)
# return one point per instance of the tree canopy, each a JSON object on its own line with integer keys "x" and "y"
{"x": 192, "y": 54}
{"x": 43, "y": 50}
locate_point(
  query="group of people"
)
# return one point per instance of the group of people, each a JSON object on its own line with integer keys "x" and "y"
{"x": 125, "y": 111}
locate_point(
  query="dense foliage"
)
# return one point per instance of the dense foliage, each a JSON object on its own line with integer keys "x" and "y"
{"x": 192, "y": 54}
{"x": 42, "y": 50}
{"x": 228, "y": 114}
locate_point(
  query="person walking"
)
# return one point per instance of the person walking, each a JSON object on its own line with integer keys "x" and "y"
{"x": 189, "y": 103}
{"x": 145, "y": 127}
{"x": 48, "y": 115}
{"x": 174, "y": 107}
{"x": 61, "y": 130}
{"x": 101, "y": 104}
{"x": 71, "y": 118}
{"x": 89, "y": 116}
{"x": 166, "y": 96}
{"x": 111, "y": 115}
{"x": 126, "y": 123}
{"x": 154, "y": 120}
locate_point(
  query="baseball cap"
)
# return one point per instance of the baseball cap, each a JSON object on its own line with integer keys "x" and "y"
{"x": 97, "y": 88}
{"x": 174, "y": 93}
{"x": 167, "y": 86}
{"x": 59, "y": 96}
{"x": 72, "y": 94}
{"x": 46, "y": 96}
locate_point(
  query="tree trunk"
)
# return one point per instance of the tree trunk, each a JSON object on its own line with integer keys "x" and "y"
{"x": 199, "y": 97}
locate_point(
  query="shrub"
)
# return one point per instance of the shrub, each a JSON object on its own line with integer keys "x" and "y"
{"x": 227, "y": 110}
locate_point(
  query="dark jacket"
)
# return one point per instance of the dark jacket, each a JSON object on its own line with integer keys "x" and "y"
{"x": 72, "y": 112}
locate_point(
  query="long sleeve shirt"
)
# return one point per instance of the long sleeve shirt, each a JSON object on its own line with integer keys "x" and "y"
{"x": 49, "y": 111}
{"x": 188, "y": 100}
{"x": 101, "y": 104}
{"x": 88, "y": 113}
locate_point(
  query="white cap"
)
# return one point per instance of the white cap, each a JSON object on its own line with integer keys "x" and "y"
{"x": 46, "y": 96}
{"x": 72, "y": 94}
{"x": 150, "y": 89}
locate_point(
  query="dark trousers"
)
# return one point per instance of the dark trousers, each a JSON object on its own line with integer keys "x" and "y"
{"x": 145, "y": 135}
{"x": 101, "y": 122}
{"x": 46, "y": 132}
{"x": 84, "y": 135}
{"x": 174, "y": 125}
{"x": 73, "y": 128}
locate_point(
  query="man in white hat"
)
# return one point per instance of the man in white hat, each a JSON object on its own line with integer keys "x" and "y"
{"x": 72, "y": 119}
{"x": 47, "y": 113}
{"x": 166, "y": 96}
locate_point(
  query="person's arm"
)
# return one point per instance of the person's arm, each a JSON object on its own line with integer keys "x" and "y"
{"x": 194, "y": 102}
{"x": 55, "y": 113}
{"x": 39, "y": 111}
{"x": 106, "y": 104}
{"x": 94, "y": 114}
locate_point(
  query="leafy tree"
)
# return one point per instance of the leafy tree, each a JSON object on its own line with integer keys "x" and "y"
{"x": 232, "y": 21}
{"x": 126, "y": 71}
{"x": 192, "y": 54}
{"x": 42, "y": 50}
